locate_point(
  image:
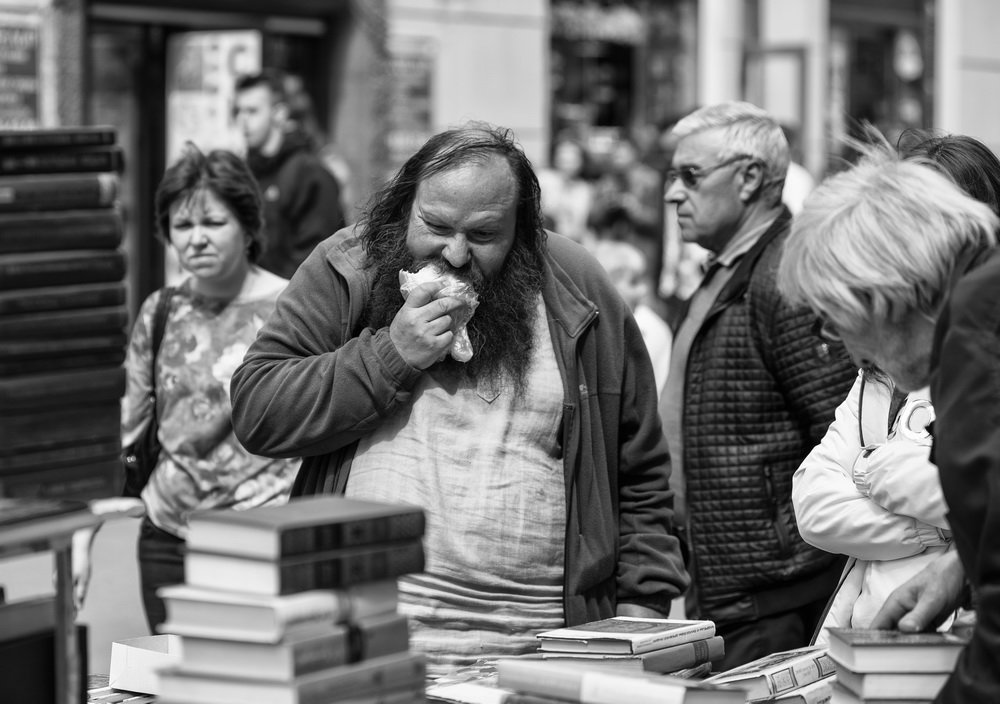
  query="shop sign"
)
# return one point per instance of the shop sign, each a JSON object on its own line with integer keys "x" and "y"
{"x": 19, "y": 71}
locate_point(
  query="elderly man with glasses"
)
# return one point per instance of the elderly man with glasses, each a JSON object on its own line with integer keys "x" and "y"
{"x": 751, "y": 390}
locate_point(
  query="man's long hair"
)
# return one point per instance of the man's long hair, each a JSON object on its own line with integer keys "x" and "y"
{"x": 383, "y": 228}
{"x": 386, "y": 214}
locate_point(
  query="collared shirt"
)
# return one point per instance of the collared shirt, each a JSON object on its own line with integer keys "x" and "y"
{"x": 719, "y": 270}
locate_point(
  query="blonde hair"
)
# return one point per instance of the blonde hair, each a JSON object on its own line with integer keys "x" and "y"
{"x": 881, "y": 240}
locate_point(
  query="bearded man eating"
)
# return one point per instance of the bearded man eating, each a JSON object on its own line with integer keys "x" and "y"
{"x": 540, "y": 461}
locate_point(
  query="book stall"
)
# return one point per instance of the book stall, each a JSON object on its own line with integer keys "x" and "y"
{"x": 63, "y": 312}
{"x": 291, "y": 604}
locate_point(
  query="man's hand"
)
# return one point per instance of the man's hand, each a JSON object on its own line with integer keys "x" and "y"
{"x": 421, "y": 330}
{"x": 927, "y": 599}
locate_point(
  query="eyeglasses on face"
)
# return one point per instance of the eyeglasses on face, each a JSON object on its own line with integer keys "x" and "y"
{"x": 824, "y": 330}
{"x": 691, "y": 176}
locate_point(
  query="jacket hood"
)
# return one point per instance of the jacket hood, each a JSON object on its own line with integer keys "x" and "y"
{"x": 291, "y": 143}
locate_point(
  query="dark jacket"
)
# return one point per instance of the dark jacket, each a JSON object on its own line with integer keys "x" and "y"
{"x": 965, "y": 390}
{"x": 760, "y": 391}
{"x": 301, "y": 203}
{"x": 316, "y": 380}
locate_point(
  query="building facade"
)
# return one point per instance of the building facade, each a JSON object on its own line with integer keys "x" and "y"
{"x": 385, "y": 74}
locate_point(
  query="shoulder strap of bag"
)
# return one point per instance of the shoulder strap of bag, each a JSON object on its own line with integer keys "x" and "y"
{"x": 159, "y": 326}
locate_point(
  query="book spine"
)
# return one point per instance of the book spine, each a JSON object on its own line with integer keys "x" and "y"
{"x": 668, "y": 638}
{"x": 62, "y": 161}
{"x": 63, "y": 363}
{"x": 47, "y": 390}
{"x": 57, "y": 192}
{"x": 80, "y": 451}
{"x": 64, "y": 324}
{"x": 317, "y": 654}
{"x": 71, "y": 229}
{"x": 29, "y": 349}
{"x": 47, "y": 138}
{"x": 370, "y": 638}
{"x": 800, "y": 673}
{"x": 348, "y": 570}
{"x": 62, "y": 298}
{"x": 365, "y": 678}
{"x": 46, "y": 428}
{"x": 379, "y": 529}
{"x": 686, "y": 655}
{"x": 60, "y": 269}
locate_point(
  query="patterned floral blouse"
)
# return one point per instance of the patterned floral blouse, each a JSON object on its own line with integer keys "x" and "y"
{"x": 202, "y": 464}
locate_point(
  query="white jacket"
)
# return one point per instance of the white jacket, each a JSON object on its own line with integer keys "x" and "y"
{"x": 872, "y": 494}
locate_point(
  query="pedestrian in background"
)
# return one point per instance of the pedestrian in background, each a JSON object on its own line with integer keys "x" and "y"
{"x": 209, "y": 210}
{"x": 302, "y": 203}
{"x": 749, "y": 393}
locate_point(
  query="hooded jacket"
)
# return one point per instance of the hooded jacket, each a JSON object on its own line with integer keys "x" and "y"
{"x": 301, "y": 203}
{"x": 316, "y": 380}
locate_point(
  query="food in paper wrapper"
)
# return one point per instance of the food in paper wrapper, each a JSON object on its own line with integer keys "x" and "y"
{"x": 461, "y": 345}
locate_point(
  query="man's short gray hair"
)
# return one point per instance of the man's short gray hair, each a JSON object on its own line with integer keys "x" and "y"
{"x": 881, "y": 240}
{"x": 748, "y": 130}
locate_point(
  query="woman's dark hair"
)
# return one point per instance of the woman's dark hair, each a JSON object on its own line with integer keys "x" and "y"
{"x": 971, "y": 164}
{"x": 387, "y": 213}
{"x": 226, "y": 176}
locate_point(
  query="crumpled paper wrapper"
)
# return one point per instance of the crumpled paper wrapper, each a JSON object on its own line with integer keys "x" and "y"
{"x": 461, "y": 345}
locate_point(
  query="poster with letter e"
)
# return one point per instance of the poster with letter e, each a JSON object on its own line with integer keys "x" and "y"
{"x": 21, "y": 99}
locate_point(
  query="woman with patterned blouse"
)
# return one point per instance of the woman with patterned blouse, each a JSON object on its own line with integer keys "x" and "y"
{"x": 209, "y": 210}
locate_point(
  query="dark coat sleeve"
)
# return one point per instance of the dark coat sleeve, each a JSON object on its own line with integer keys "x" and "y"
{"x": 965, "y": 389}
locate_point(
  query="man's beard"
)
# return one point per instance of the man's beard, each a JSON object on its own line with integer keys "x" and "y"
{"x": 502, "y": 328}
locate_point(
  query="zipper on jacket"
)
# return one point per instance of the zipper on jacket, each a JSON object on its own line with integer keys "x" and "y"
{"x": 784, "y": 539}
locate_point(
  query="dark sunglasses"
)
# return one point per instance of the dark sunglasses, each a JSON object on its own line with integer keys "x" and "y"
{"x": 691, "y": 176}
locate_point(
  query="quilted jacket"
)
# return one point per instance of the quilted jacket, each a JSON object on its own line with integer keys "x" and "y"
{"x": 760, "y": 391}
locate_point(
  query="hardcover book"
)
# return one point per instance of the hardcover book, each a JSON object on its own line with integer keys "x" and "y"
{"x": 625, "y": 635}
{"x": 669, "y": 659}
{"x": 61, "y": 298}
{"x": 298, "y": 653}
{"x": 39, "y": 269}
{"x": 73, "y": 452}
{"x": 55, "y": 137}
{"x": 331, "y": 569}
{"x": 577, "y": 682}
{"x": 818, "y": 692}
{"x": 68, "y": 229}
{"x": 366, "y": 678}
{"x": 303, "y": 525}
{"x": 58, "y": 192}
{"x": 43, "y": 391}
{"x": 14, "y": 350}
{"x": 842, "y": 695}
{"x": 295, "y": 655}
{"x": 69, "y": 323}
{"x": 893, "y": 685}
{"x": 868, "y": 650}
{"x": 779, "y": 672}
{"x": 65, "y": 160}
{"x": 260, "y": 618}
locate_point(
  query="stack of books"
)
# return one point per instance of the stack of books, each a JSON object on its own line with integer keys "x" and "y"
{"x": 891, "y": 667}
{"x": 798, "y": 676}
{"x": 63, "y": 312}
{"x": 296, "y": 603}
{"x": 637, "y": 644}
